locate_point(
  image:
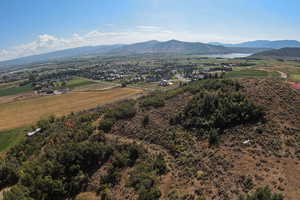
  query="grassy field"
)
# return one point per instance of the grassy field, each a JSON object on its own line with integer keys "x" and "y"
{"x": 249, "y": 73}
{"x": 10, "y": 137}
{"x": 10, "y": 84}
{"x": 26, "y": 112}
{"x": 78, "y": 82}
{"x": 295, "y": 77}
{"x": 95, "y": 86}
{"x": 14, "y": 90}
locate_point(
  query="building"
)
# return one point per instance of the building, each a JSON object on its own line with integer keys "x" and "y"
{"x": 164, "y": 83}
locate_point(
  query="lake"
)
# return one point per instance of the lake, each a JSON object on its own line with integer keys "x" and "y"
{"x": 229, "y": 55}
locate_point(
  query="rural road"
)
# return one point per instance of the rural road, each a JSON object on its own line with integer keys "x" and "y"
{"x": 282, "y": 74}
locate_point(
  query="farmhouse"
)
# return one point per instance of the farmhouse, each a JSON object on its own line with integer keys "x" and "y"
{"x": 165, "y": 83}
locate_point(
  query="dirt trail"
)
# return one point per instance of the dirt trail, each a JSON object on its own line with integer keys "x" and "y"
{"x": 282, "y": 74}
{"x": 152, "y": 148}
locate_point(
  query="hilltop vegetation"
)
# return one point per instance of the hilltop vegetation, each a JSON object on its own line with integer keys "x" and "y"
{"x": 185, "y": 143}
{"x": 279, "y": 53}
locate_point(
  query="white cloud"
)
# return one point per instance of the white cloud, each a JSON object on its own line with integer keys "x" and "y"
{"x": 149, "y": 28}
{"x": 47, "y": 43}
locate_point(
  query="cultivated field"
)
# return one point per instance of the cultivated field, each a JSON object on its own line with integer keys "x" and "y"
{"x": 14, "y": 90}
{"x": 78, "y": 82}
{"x": 26, "y": 112}
{"x": 248, "y": 73}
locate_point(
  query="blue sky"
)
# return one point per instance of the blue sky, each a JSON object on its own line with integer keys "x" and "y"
{"x": 36, "y": 26}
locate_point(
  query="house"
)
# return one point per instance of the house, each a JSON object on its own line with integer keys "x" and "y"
{"x": 60, "y": 91}
{"x": 198, "y": 76}
{"x": 46, "y": 91}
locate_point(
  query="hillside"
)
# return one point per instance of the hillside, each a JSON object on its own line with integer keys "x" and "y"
{"x": 263, "y": 44}
{"x": 179, "y": 47}
{"x": 279, "y": 53}
{"x": 172, "y": 47}
{"x": 216, "y": 139}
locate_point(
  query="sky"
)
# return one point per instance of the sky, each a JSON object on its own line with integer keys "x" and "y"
{"x": 29, "y": 27}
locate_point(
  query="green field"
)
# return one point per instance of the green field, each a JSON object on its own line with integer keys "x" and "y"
{"x": 295, "y": 77}
{"x": 9, "y": 138}
{"x": 245, "y": 73}
{"x": 78, "y": 82}
{"x": 15, "y": 90}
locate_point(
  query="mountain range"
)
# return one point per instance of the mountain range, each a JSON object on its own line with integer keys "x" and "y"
{"x": 171, "y": 47}
{"x": 262, "y": 44}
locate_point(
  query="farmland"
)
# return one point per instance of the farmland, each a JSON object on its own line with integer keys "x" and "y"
{"x": 14, "y": 90}
{"x": 26, "y": 112}
{"x": 295, "y": 77}
{"x": 250, "y": 73}
{"x": 78, "y": 82}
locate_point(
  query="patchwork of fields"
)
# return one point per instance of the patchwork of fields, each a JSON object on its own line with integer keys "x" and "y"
{"x": 27, "y": 112}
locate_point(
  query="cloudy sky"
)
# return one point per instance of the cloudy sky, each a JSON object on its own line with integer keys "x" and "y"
{"x": 39, "y": 26}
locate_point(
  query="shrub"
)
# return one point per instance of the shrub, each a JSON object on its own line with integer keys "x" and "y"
{"x": 8, "y": 175}
{"x": 17, "y": 192}
{"x": 155, "y": 101}
{"x": 123, "y": 111}
{"x": 224, "y": 85}
{"x": 150, "y": 194}
{"x": 263, "y": 194}
{"x": 106, "y": 125}
{"x": 112, "y": 178}
{"x": 159, "y": 165}
{"x": 213, "y": 137}
{"x": 143, "y": 178}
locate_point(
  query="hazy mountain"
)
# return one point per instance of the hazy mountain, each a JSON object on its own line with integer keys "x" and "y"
{"x": 284, "y": 53}
{"x": 263, "y": 44}
{"x": 170, "y": 47}
{"x": 180, "y": 47}
{"x": 80, "y": 51}
{"x": 149, "y": 47}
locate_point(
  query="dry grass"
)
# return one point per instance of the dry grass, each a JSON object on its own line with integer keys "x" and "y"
{"x": 27, "y": 112}
{"x": 87, "y": 196}
{"x": 93, "y": 87}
